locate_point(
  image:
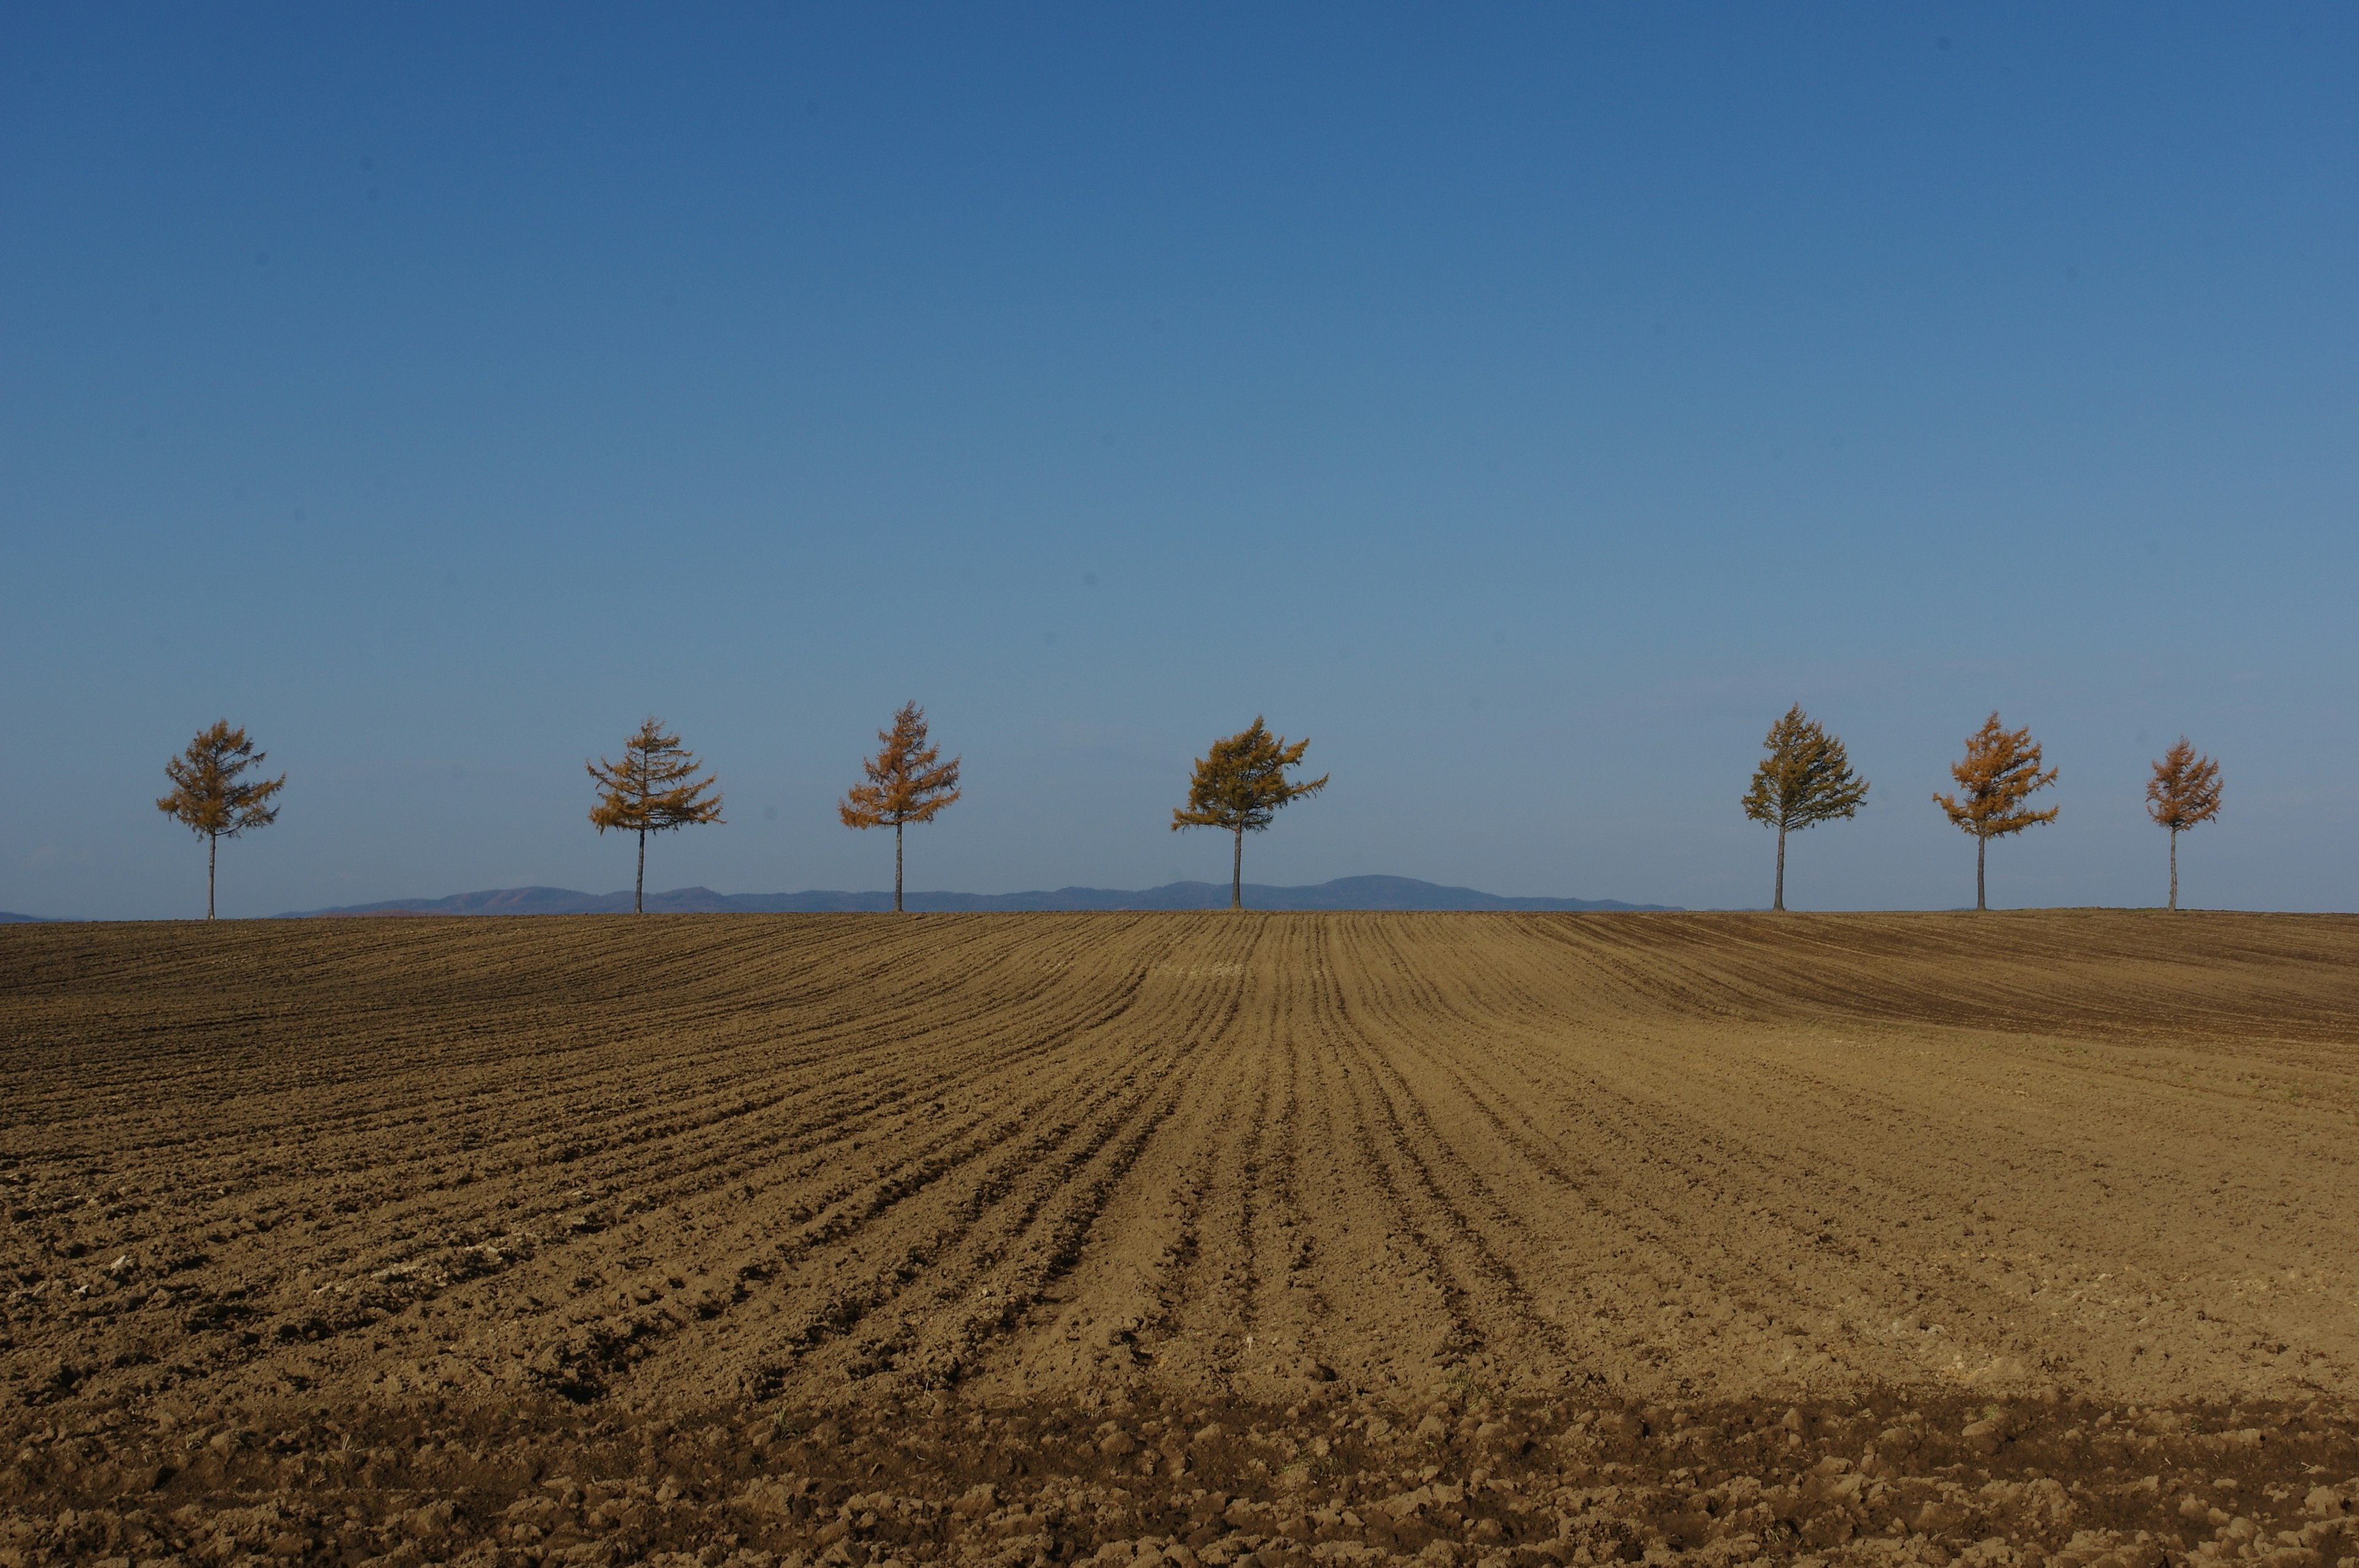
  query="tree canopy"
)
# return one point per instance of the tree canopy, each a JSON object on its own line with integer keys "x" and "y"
{"x": 209, "y": 797}
{"x": 1999, "y": 772}
{"x": 1805, "y": 779}
{"x": 653, "y": 789}
{"x": 1241, "y": 785}
{"x": 906, "y": 782}
{"x": 2184, "y": 793}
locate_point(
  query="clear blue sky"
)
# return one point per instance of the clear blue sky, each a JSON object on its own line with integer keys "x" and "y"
{"x": 1527, "y": 405}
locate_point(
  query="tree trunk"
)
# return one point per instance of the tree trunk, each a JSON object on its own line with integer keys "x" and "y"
{"x": 212, "y": 847}
{"x": 1237, "y": 874}
{"x": 897, "y": 868}
{"x": 2174, "y": 870}
{"x": 639, "y": 888}
{"x": 1779, "y": 901}
{"x": 1979, "y": 845}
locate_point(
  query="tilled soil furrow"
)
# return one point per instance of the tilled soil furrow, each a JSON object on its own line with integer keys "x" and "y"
{"x": 1489, "y": 1232}
{"x": 1416, "y": 1225}
{"x": 992, "y": 1215}
{"x": 1268, "y": 1233}
{"x": 1716, "y": 1228}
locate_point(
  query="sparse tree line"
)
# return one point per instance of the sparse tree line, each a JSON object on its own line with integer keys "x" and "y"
{"x": 1805, "y": 779}
{"x": 1238, "y": 787}
{"x": 659, "y": 785}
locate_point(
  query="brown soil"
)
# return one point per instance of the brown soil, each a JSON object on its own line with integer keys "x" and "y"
{"x": 1030, "y": 1238}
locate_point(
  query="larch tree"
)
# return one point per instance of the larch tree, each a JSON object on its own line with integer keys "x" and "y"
{"x": 906, "y": 782}
{"x": 1997, "y": 775}
{"x": 211, "y": 796}
{"x": 1805, "y": 780}
{"x": 653, "y": 789}
{"x": 2184, "y": 793}
{"x": 1240, "y": 785}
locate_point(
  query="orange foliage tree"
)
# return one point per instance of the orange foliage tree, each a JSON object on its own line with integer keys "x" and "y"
{"x": 652, "y": 789}
{"x": 1805, "y": 780}
{"x": 907, "y": 782}
{"x": 2184, "y": 792}
{"x": 207, "y": 797}
{"x": 1240, "y": 785}
{"x": 1997, "y": 775}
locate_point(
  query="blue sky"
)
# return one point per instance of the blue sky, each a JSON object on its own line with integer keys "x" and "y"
{"x": 1527, "y": 405}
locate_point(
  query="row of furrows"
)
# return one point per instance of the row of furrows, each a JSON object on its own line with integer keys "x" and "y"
{"x": 1016, "y": 1034}
{"x": 1883, "y": 950}
{"x": 1486, "y": 1229}
{"x": 1479, "y": 1087}
{"x": 1414, "y": 1232}
{"x": 2014, "y": 971}
{"x": 1418, "y": 1214}
{"x": 1210, "y": 1169}
{"x": 604, "y": 1251}
{"x": 1666, "y": 1161}
{"x": 1308, "y": 1031}
{"x": 992, "y": 1189}
{"x": 1057, "y": 1164}
{"x": 1180, "y": 1292}
{"x": 1378, "y": 1177}
{"x": 1719, "y": 969}
{"x": 239, "y": 1142}
{"x": 382, "y": 1044}
{"x": 1266, "y": 1203}
{"x": 1884, "y": 1274}
{"x": 1200, "y": 1135}
{"x": 508, "y": 1220}
{"x": 393, "y": 1202}
{"x": 605, "y": 1117}
{"x": 401, "y": 962}
{"x": 1606, "y": 974}
{"x": 844, "y": 1208}
{"x": 1769, "y": 1183}
{"x": 1200, "y": 1024}
{"x": 1655, "y": 1225}
{"x": 621, "y": 1343}
{"x": 1297, "y": 1239}
{"x": 1677, "y": 1241}
{"x": 1297, "y": 1042}
{"x": 1010, "y": 1153}
{"x": 1096, "y": 1173}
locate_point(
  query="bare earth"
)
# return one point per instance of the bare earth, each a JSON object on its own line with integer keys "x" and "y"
{"x": 1306, "y": 1238}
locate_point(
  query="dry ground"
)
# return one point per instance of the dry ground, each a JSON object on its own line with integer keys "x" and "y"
{"x": 1008, "y": 1237}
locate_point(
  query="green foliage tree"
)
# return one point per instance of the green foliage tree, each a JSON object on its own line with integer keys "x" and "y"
{"x": 1805, "y": 780}
{"x": 1997, "y": 775}
{"x": 2184, "y": 793}
{"x": 1240, "y": 785}
{"x": 208, "y": 796}
{"x": 906, "y": 782}
{"x": 652, "y": 789}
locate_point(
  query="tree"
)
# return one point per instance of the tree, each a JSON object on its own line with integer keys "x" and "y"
{"x": 652, "y": 789}
{"x": 1239, "y": 785}
{"x": 1805, "y": 780}
{"x": 206, "y": 793}
{"x": 907, "y": 782}
{"x": 1997, "y": 775}
{"x": 2184, "y": 792}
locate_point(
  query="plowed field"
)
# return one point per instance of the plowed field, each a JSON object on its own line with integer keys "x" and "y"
{"x": 1012, "y": 1238}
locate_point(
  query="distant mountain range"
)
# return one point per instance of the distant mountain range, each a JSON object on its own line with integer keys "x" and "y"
{"x": 8, "y": 919}
{"x": 1345, "y": 892}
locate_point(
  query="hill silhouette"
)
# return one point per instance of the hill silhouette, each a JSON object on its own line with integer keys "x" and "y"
{"x": 1344, "y": 893}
